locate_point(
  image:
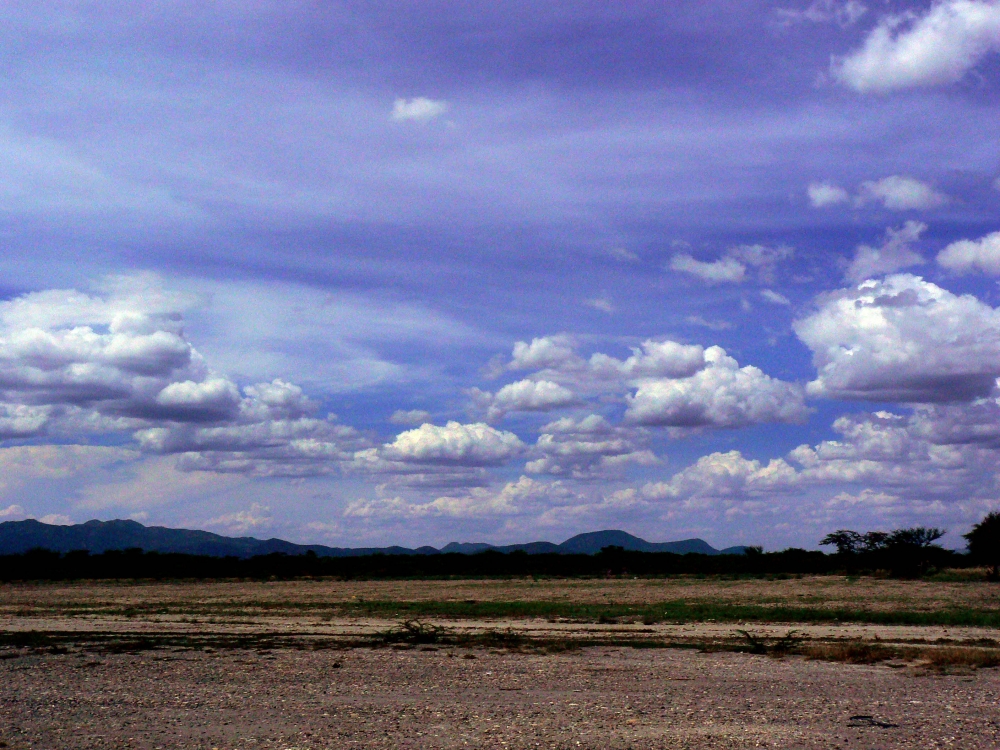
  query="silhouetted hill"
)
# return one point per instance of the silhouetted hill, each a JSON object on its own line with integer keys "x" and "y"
{"x": 99, "y": 536}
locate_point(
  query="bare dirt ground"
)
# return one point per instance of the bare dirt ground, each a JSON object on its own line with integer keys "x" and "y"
{"x": 820, "y": 591}
{"x": 279, "y": 665}
{"x": 385, "y": 698}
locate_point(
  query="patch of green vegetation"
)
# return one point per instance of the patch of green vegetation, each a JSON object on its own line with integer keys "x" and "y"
{"x": 673, "y": 611}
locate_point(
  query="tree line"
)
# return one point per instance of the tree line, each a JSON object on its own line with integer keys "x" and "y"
{"x": 910, "y": 552}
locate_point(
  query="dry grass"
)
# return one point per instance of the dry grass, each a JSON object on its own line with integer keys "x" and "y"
{"x": 933, "y": 657}
{"x": 852, "y": 652}
{"x": 255, "y": 597}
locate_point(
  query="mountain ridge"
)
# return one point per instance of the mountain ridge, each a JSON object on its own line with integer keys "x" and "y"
{"x": 95, "y": 536}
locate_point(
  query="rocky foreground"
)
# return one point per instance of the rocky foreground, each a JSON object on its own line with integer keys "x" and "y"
{"x": 429, "y": 697}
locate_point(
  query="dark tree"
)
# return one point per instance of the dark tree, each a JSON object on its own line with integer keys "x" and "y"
{"x": 873, "y": 541}
{"x": 984, "y": 544}
{"x": 846, "y": 541}
{"x": 918, "y": 536}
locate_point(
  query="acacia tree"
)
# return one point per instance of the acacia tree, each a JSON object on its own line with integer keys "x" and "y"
{"x": 850, "y": 542}
{"x": 984, "y": 544}
{"x": 846, "y": 541}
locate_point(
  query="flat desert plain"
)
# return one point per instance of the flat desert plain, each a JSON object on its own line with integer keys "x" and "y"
{"x": 504, "y": 664}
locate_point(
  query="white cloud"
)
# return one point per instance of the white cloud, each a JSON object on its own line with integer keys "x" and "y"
{"x": 603, "y": 304}
{"x": 712, "y": 325}
{"x": 420, "y": 109}
{"x": 677, "y": 385}
{"x": 882, "y": 469}
{"x": 724, "y": 270}
{"x": 723, "y": 474}
{"x": 894, "y": 254}
{"x": 119, "y": 361}
{"x": 544, "y": 352}
{"x": 902, "y": 339}
{"x": 530, "y": 395}
{"x": 515, "y": 498}
{"x": 56, "y": 519}
{"x": 939, "y": 47}
{"x": 243, "y": 521}
{"x": 842, "y": 12}
{"x": 587, "y": 448}
{"x": 121, "y": 354}
{"x": 212, "y": 399}
{"x": 12, "y": 513}
{"x": 21, "y": 421}
{"x": 774, "y": 297}
{"x": 655, "y": 359}
{"x": 900, "y": 193}
{"x": 721, "y": 395}
{"x": 966, "y": 256}
{"x": 412, "y": 416}
{"x": 272, "y": 433}
{"x": 462, "y": 444}
{"x": 824, "y": 194}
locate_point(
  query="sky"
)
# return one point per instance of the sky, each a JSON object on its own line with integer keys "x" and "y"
{"x": 417, "y": 272}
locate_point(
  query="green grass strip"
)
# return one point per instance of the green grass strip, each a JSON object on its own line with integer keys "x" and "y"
{"x": 675, "y": 611}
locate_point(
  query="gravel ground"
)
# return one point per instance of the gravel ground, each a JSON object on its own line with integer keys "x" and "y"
{"x": 386, "y": 698}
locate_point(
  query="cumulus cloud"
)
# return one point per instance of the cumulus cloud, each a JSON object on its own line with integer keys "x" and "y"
{"x": 419, "y": 109}
{"x": 122, "y": 354}
{"x": 966, "y": 256}
{"x": 900, "y": 193}
{"x": 675, "y": 385}
{"x": 902, "y": 339}
{"x": 894, "y": 254}
{"x": 722, "y": 271}
{"x": 455, "y": 443}
{"x": 825, "y": 194}
{"x": 528, "y": 395}
{"x": 56, "y": 519}
{"x": 587, "y": 448}
{"x": 722, "y": 394}
{"x": 654, "y": 359}
{"x": 723, "y": 474}
{"x": 273, "y": 432}
{"x": 412, "y": 416}
{"x": 910, "y": 51}
{"x": 544, "y": 352}
{"x": 861, "y": 477}
{"x": 119, "y": 361}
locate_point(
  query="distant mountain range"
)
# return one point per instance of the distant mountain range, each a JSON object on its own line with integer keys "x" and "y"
{"x": 99, "y": 536}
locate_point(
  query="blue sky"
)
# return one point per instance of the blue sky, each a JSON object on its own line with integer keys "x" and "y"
{"x": 421, "y": 272}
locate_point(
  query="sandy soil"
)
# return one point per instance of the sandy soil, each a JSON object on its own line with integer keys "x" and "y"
{"x": 254, "y": 597}
{"x": 593, "y": 698}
